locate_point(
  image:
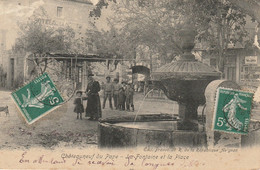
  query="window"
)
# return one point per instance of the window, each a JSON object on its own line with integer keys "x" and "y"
{"x": 59, "y": 11}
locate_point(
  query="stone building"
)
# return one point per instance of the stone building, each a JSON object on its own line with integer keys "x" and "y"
{"x": 74, "y": 13}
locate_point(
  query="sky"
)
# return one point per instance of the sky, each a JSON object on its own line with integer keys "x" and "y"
{"x": 22, "y": 11}
{"x": 94, "y": 1}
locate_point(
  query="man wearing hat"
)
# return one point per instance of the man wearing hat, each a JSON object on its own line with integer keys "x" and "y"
{"x": 117, "y": 86}
{"x": 93, "y": 109}
{"x": 108, "y": 92}
{"x": 121, "y": 96}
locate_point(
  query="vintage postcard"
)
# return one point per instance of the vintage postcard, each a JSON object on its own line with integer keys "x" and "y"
{"x": 129, "y": 84}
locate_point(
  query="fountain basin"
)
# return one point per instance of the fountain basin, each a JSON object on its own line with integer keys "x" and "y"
{"x": 147, "y": 130}
{"x": 185, "y": 81}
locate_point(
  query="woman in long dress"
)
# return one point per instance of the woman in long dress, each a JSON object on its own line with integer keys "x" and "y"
{"x": 93, "y": 109}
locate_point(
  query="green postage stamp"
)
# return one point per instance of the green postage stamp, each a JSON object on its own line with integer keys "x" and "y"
{"x": 37, "y": 98}
{"x": 232, "y": 111}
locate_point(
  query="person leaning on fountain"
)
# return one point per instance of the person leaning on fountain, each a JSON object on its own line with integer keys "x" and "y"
{"x": 93, "y": 109}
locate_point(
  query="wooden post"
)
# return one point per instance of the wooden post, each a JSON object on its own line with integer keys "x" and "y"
{"x": 84, "y": 76}
{"x": 66, "y": 69}
{"x": 71, "y": 70}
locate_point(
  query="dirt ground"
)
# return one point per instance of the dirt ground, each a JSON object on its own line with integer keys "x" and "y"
{"x": 60, "y": 128}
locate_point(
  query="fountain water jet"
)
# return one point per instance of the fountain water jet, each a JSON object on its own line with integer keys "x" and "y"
{"x": 142, "y": 104}
{"x": 183, "y": 81}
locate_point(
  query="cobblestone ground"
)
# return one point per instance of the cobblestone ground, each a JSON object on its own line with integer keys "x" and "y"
{"x": 60, "y": 127}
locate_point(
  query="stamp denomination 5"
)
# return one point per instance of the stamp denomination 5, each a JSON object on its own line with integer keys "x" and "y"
{"x": 37, "y": 98}
{"x": 232, "y": 111}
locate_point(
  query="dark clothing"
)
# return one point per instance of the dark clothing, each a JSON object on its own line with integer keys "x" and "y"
{"x": 121, "y": 99}
{"x": 129, "y": 93}
{"x": 117, "y": 86}
{"x": 78, "y": 105}
{"x": 79, "y": 116}
{"x": 93, "y": 88}
{"x": 93, "y": 109}
{"x": 115, "y": 97}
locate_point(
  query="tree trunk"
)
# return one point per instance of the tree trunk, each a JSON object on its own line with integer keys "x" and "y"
{"x": 38, "y": 59}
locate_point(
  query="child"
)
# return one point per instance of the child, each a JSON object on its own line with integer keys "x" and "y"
{"x": 121, "y": 99}
{"x": 129, "y": 93}
{"x": 79, "y": 109}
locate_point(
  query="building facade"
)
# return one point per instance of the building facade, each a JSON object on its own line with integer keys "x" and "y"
{"x": 57, "y": 13}
{"x": 241, "y": 65}
{"x": 241, "y": 61}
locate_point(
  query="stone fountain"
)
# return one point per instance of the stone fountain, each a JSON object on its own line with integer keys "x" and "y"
{"x": 183, "y": 81}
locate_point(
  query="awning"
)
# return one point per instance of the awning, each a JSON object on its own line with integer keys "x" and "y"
{"x": 78, "y": 57}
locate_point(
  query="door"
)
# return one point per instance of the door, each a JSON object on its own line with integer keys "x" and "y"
{"x": 231, "y": 73}
{"x": 230, "y": 67}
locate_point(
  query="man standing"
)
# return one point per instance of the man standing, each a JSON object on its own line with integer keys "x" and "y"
{"x": 122, "y": 96}
{"x": 116, "y": 92}
{"x": 93, "y": 109}
{"x": 129, "y": 93}
{"x": 108, "y": 92}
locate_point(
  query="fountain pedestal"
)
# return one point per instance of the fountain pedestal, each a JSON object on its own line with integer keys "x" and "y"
{"x": 185, "y": 81}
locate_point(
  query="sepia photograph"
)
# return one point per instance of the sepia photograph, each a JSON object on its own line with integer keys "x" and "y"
{"x": 129, "y": 84}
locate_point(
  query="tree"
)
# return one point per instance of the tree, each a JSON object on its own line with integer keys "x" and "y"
{"x": 129, "y": 33}
{"x": 218, "y": 23}
{"x": 250, "y": 7}
{"x": 156, "y": 24}
{"x": 39, "y": 39}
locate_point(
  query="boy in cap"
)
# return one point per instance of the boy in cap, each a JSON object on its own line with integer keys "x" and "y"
{"x": 108, "y": 92}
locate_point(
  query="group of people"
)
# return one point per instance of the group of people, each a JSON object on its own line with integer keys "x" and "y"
{"x": 121, "y": 93}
